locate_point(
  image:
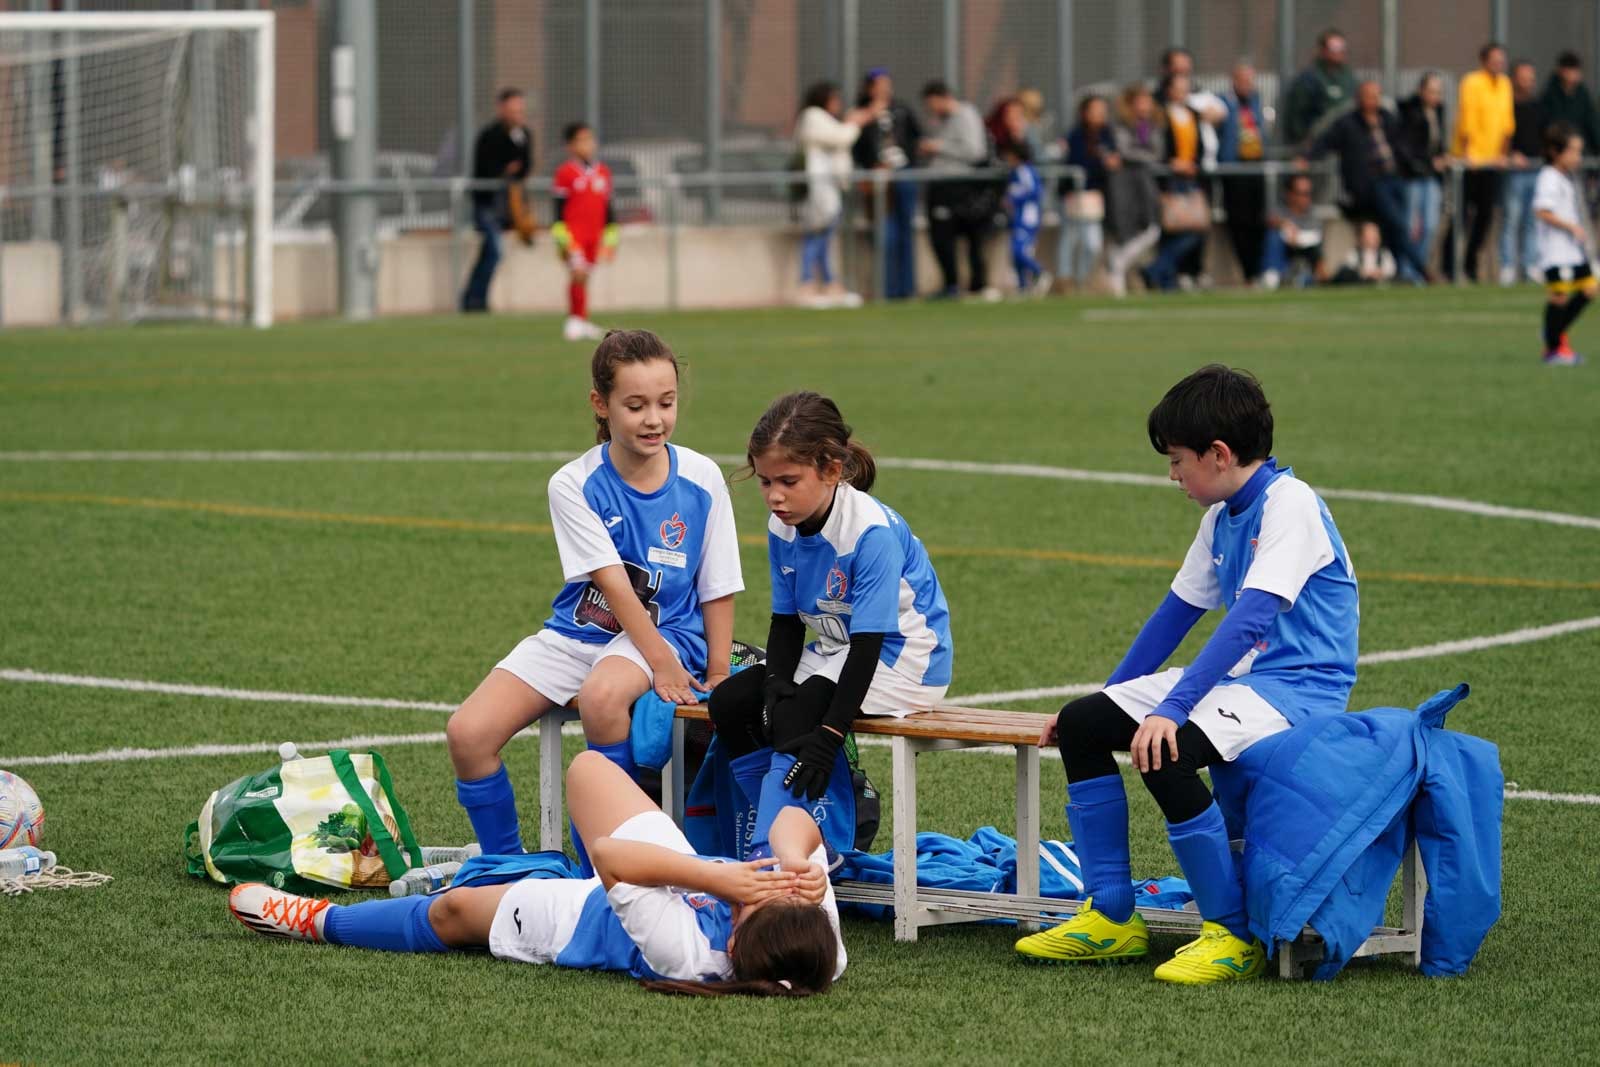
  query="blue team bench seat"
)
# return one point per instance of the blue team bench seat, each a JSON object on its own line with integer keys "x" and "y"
{"x": 945, "y": 729}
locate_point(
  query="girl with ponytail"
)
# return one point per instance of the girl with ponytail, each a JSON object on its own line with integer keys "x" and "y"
{"x": 845, "y": 566}
{"x": 680, "y": 922}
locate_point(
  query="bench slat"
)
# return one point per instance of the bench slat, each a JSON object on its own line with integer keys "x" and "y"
{"x": 980, "y": 725}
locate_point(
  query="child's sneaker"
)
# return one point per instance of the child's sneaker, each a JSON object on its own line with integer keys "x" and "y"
{"x": 1088, "y": 936}
{"x": 1215, "y": 956}
{"x": 1557, "y": 357}
{"x": 278, "y": 914}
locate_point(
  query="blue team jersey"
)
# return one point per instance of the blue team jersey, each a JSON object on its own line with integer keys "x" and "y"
{"x": 1284, "y": 543}
{"x": 677, "y": 545}
{"x": 864, "y": 572}
{"x": 699, "y": 952}
{"x": 1023, "y": 197}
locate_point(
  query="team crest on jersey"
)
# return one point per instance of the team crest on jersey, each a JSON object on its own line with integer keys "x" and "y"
{"x": 673, "y": 531}
{"x": 593, "y": 610}
{"x": 838, "y": 584}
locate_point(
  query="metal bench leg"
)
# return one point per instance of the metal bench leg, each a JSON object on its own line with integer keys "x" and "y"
{"x": 906, "y": 908}
{"x": 673, "y": 796}
{"x": 1413, "y": 892}
{"x": 1027, "y": 825}
{"x": 552, "y": 809}
{"x": 1287, "y": 967}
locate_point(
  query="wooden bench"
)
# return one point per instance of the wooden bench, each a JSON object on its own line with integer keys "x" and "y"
{"x": 944, "y": 729}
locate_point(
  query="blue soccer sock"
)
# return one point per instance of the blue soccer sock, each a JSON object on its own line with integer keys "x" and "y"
{"x": 398, "y": 925}
{"x": 1201, "y": 845}
{"x": 492, "y": 809}
{"x": 1097, "y": 811}
{"x": 775, "y": 796}
{"x": 748, "y": 772}
{"x": 620, "y": 753}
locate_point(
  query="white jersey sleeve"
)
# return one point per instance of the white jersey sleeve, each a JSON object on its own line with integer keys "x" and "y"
{"x": 831, "y": 906}
{"x": 1293, "y": 543}
{"x": 581, "y": 538}
{"x": 661, "y": 921}
{"x": 721, "y": 573}
{"x": 1196, "y": 582}
{"x": 1549, "y": 191}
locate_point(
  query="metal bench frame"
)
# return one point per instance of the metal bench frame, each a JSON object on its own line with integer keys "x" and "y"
{"x": 916, "y": 907}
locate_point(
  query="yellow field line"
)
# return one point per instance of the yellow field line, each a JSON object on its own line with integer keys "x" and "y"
{"x": 1048, "y": 555}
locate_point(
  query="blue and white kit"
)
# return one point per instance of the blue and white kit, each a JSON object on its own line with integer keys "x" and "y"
{"x": 677, "y": 544}
{"x": 647, "y": 931}
{"x": 1276, "y": 536}
{"x": 865, "y": 572}
{"x": 1024, "y": 195}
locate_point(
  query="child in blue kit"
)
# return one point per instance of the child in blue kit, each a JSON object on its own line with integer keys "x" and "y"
{"x": 1269, "y": 555}
{"x": 848, "y": 568}
{"x": 650, "y": 559}
{"x": 1024, "y": 198}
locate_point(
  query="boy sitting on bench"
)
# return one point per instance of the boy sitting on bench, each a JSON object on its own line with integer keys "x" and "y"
{"x": 1269, "y": 555}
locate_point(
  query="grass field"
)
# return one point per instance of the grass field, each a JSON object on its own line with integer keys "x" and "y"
{"x": 378, "y": 577}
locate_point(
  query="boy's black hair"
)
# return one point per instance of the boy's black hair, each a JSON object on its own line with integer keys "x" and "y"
{"x": 936, "y": 87}
{"x": 510, "y": 92}
{"x": 1557, "y": 136}
{"x": 571, "y": 130}
{"x": 1214, "y": 403}
{"x": 1020, "y": 149}
{"x": 1569, "y": 60}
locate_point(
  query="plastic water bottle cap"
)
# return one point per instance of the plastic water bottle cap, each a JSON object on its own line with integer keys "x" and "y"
{"x": 287, "y": 752}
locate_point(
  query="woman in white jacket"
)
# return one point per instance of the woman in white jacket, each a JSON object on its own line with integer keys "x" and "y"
{"x": 824, "y": 139}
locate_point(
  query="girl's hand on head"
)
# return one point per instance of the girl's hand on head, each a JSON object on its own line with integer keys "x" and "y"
{"x": 754, "y": 881}
{"x": 812, "y": 884}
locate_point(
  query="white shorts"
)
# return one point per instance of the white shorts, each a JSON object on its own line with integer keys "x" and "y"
{"x": 555, "y": 665}
{"x": 1233, "y": 717}
{"x": 536, "y": 918}
{"x": 891, "y": 693}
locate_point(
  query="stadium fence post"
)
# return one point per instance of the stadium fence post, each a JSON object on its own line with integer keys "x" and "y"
{"x": 1458, "y": 217}
{"x": 713, "y": 31}
{"x": 670, "y": 204}
{"x": 880, "y": 229}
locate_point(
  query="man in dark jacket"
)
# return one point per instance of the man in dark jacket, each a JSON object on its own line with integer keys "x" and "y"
{"x": 890, "y": 143}
{"x": 1319, "y": 92}
{"x": 1566, "y": 99}
{"x": 1423, "y": 152}
{"x": 504, "y": 152}
{"x": 1519, "y": 255}
{"x": 1364, "y": 140}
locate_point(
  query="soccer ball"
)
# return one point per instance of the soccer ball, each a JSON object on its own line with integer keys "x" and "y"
{"x": 21, "y": 814}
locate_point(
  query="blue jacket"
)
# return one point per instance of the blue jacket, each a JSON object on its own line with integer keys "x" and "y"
{"x": 1228, "y": 133}
{"x": 1328, "y": 809}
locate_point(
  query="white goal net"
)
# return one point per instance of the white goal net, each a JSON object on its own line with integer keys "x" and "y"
{"x": 136, "y": 161}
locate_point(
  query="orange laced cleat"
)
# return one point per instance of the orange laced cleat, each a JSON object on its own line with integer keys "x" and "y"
{"x": 278, "y": 914}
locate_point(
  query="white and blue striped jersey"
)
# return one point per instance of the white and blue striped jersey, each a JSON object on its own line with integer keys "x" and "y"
{"x": 678, "y": 545}
{"x": 1024, "y": 194}
{"x": 864, "y": 572}
{"x": 1283, "y": 543}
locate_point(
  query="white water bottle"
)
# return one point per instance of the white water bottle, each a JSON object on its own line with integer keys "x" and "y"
{"x": 423, "y": 879}
{"x": 24, "y": 861}
{"x": 434, "y": 854}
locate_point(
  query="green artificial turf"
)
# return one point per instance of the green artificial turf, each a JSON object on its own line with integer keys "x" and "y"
{"x": 408, "y": 580}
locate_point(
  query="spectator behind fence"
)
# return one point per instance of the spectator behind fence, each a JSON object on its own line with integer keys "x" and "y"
{"x": 1484, "y": 123}
{"x": 1519, "y": 253}
{"x": 1006, "y": 124}
{"x": 1566, "y": 99}
{"x": 1242, "y": 139}
{"x": 1178, "y": 60}
{"x": 1422, "y": 150}
{"x": 1185, "y": 214}
{"x": 1292, "y": 252}
{"x": 825, "y": 140}
{"x": 962, "y": 207}
{"x": 1092, "y": 146}
{"x": 1038, "y": 127}
{"x": 1133, "y": 203}
{"x": 503, "y": 152}
{"x": 1320, "y": 93}
{"x": 1369, "y": 262}
{"x": 1374, "y": 192}
{"x": 889, "y": 143}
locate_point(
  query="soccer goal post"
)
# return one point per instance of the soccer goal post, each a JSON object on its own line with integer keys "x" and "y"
{"x": 136, "y": 159}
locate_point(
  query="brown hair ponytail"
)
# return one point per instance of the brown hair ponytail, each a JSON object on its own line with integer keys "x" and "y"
{"x": 809, "y": 428}
{"x": 783, "y": 950}
{"x": 620, "y": 347}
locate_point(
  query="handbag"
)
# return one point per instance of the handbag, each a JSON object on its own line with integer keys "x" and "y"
{"x": 1186, "y": 212}
{"x": 1087, "y": 205}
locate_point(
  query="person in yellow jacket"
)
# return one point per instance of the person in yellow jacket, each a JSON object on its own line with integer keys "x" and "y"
{"x": 1484, "y": 124}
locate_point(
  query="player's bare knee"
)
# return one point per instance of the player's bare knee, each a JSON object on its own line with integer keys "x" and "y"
{"x": 583, "y": 767}
{"x": 464, "y": 735}
{"x": 445, "y": 916}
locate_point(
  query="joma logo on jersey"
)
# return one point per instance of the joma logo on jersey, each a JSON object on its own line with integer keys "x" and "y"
{"x": 673, "y": 531}
{"x": 838, "y": 584}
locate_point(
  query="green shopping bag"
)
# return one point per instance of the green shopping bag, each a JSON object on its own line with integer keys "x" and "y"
{"x": 322, "y": 821}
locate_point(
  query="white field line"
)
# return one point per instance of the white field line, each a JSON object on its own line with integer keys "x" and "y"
{"x": 179, "y": 689}
{"x": 948, "y": 466}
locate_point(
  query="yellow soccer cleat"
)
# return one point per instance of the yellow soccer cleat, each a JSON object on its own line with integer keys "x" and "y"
{"x": 1215, "y": 956}
{"x": 1088, "y": 937}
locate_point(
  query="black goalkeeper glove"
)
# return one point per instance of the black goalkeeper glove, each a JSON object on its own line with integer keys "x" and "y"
{"x": 774, "y": 692}
{"x": 814, "y": 755}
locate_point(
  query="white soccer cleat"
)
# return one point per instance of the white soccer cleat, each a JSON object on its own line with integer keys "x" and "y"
{"x": 278, "y": 914}
{"x": 573, "y": 329}
{"x": 591, "y": 332}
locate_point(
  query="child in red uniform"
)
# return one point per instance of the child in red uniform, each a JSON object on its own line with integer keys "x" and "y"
{"x": 586, "y": 230}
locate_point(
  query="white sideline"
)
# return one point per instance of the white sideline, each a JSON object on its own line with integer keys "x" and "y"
{"x": 950, "y": 466}
{"x": 180, "y": 689}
